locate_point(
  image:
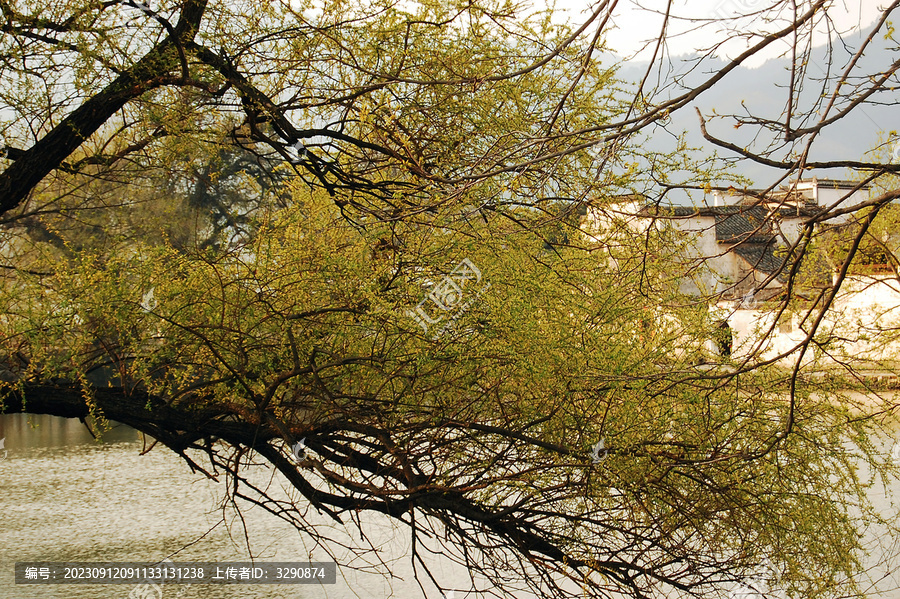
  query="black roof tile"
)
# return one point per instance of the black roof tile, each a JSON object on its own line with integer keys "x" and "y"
{"x": 761, "y": 257}
{"x": 751, "y": 225}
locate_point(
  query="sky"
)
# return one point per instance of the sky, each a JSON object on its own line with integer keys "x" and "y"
{"x": 638, "y": 22}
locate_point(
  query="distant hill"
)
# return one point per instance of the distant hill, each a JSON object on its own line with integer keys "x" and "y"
{"x": 764, "y": 92}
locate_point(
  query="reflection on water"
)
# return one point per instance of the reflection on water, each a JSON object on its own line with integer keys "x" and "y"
{"x": 66, "y": 497}
{"x": 25, "y": 431}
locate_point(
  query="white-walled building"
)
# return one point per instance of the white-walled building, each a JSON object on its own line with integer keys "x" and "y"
{"x": 740, "y": 245}
{"x": 740, "y": 239}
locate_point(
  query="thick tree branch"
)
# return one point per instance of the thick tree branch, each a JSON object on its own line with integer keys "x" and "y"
{"x": 49, "y": 152}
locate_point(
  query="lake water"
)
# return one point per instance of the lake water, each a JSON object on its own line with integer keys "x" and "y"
{"x": 65, "y": 497}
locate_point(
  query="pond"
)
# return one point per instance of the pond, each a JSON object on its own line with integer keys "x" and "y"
{"x": 65, "y": 497}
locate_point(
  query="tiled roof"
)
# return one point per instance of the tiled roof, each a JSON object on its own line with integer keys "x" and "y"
{"x": 750, "y": 225}
{"x": 718, "y": 211}
{"x": 761, "y": 257}
{"x": 839, "y": 184}
{"x": 748, "y": 229}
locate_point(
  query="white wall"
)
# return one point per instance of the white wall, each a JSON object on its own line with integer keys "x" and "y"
{"x": 864, "y": 319}
{"x": 831, "y": 196}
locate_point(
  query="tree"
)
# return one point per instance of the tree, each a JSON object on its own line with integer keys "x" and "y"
{"x": 389, "y": 268}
